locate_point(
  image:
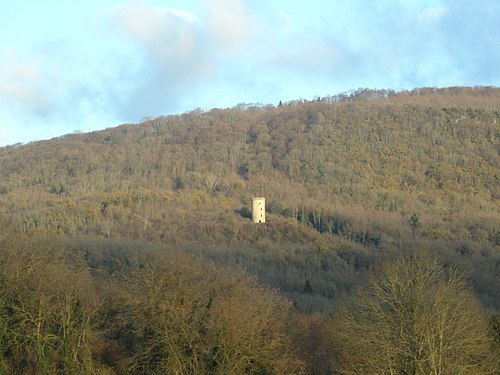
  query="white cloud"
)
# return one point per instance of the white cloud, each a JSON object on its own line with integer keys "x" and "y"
{"x": 169, "y": 46}
{"x": 229, "y": 23}
{"x": 170, "y": 34}
{"x": 150, "y": 24}
{"x": 179, "y": 49}
{"x": 24, "y": 84}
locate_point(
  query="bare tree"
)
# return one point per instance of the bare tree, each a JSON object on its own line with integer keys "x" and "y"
{"x": 190, "y": 318}
{"x": 417, "y": 317}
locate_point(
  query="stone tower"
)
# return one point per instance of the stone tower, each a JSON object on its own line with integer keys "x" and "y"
{"x": 259, "y": 210}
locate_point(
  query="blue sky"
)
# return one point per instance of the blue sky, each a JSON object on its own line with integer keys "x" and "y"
{"x": 85, "y": 65}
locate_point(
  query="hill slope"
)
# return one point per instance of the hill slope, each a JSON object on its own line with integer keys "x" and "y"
{"x": 349, "y": 180}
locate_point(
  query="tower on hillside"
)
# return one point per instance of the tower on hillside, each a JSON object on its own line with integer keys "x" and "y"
{"x": 259, "y": 210}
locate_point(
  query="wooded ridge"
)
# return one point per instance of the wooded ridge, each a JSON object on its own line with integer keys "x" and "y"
{"x": 353, "y": 182}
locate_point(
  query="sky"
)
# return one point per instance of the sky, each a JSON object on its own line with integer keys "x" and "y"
{"x": 85, "y": 65}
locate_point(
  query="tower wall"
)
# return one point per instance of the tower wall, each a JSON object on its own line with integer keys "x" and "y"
{"x": 259, "y": 210}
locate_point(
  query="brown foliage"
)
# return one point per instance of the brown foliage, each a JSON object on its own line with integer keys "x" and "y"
{"x": 417, "y": 317}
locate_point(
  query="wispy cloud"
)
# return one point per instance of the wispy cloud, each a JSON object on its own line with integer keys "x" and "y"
{"x": 395, "y": 44}
{"x": 228, "y": 23}
{"x": 404, "y": 44}
{"x": 24, "y": 84}
{"x": 180, "y": 49}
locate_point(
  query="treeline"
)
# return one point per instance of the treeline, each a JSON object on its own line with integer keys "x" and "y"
{"x": 83, "y": 305}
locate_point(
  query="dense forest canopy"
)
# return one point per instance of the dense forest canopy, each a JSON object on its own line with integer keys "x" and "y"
{"x": 352, "y": 182}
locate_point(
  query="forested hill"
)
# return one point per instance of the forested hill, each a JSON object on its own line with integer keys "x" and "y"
{"x": 348, "y": 179}
{"x": 131, "y": 250}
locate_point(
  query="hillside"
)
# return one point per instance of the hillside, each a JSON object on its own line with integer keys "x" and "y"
{"x": 131, "y": 250}
{"x": 348, "y": 180}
